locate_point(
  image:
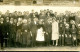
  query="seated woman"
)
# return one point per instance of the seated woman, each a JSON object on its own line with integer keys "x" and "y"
{"x": 67, "y": 35}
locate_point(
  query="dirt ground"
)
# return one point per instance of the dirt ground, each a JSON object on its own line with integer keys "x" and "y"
{"x": 51, "y": 48}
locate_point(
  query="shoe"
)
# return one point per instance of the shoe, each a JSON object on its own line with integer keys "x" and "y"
{"x": 56, "y": 45}
{"x": 62, "y": 45}
{"x": 73, "y": 45}
{"x": 2, "y": 48}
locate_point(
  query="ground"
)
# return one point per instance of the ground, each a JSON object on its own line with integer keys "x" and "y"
{"x": 51, "y": 48}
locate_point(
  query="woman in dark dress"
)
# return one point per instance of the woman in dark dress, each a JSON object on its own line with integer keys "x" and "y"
{"x": 25, "y": 33}
{"x": 67, "y": 35}
{"x": 19, "y": 33}
{"x": 11, "y": 35}
{"x": 61, "y": 31}
{"x": 73, "y": 31}
{"x": 1, "y": 32}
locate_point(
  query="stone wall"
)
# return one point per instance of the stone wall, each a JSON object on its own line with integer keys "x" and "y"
{"x": 45, "y": 2}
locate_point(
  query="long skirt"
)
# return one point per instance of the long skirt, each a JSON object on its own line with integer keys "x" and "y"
{"x": 55, "y": 35}
{"x": 74, "y": 37}
{"x": 28, "y": 39}
{"x": 68, "y": 39}
{"x": 24, "y": 38}
{"x": 78, "y": 37}
{"x": 19, "y": 36}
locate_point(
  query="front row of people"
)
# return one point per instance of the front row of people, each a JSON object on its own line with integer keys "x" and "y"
{"x": 25, "y": 33}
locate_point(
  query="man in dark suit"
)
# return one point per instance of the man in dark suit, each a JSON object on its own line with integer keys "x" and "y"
{"x": 19, "y": 33}
{"x": 11, "y": 35}
{"x": 48, "y": 30}
{"x": 61, "y": 30}
{"x": 2, "y": 32}
{"x": 6, "y": 31}
{"x": 34, "y": 30}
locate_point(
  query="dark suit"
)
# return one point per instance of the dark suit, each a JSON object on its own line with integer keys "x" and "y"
{"x": 67, "y": 36}
{"x": 48, "y": 30}
{"x": 72, "y": 18}
{"x": 26, "y": 16}
{"x": 61, "y": 30}
{"x": 19, "y": 35}
{"x": 42, "y": 16}
{"x": 12, "y": 34}
{"x": 6, "y": 32}
{"x": 26, "y": 34}
{"x": 1, "y": 34}
{"x": 34, "y": 32}
{"x": 74, "y": 36}
{"x": 29, "y": 34}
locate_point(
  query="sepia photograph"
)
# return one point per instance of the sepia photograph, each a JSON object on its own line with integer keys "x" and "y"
{"x": 39, "y": 25}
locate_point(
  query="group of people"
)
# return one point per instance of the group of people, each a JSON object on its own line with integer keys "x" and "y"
{"x": 46, "y": 28}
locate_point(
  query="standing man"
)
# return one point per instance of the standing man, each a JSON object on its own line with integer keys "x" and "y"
{"x": 48, "y": 31}
{"x": 25, "y": 31}
{"x": 34, "y": 24}
{"x": 6, "y": 31}
{"x": 1, "y": 32}
{"x": 61, "y": 30}
{"x": 11, "y": 35}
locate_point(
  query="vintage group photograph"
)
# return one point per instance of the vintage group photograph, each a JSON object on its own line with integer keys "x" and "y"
{"x": 39, "y": 25}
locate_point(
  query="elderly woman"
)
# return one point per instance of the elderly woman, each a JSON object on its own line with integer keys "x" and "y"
{"x": 19, "y": 32}
{"x": 67, "y": 35}
{"x": 55, "y": 31}
{"x": 25, "y": 33}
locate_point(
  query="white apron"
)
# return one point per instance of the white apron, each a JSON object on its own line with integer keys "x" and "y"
{"x": 55, "y": 31}
{"x": 40, "y": 35}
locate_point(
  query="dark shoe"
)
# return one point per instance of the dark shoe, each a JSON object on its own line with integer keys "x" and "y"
{"x": 2, "y": 48}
